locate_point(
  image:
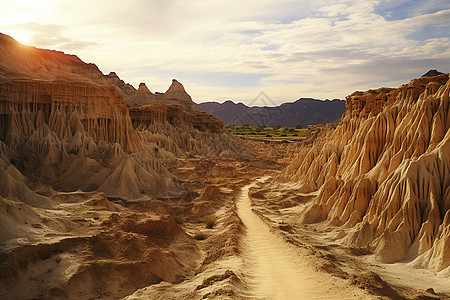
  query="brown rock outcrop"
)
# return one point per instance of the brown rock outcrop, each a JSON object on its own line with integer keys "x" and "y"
{"x": 66, "y": 119}
{"x": 24, "y": 62}
{"x": 383, "y": 173}
{"x": 175, "y": 95}
{"x": 98, "y": 111}
{"x": 146, "y": 115}
{"x": 124, "y": 89}
{"x": 175, "y": 107}
{"x": 74, "y": 173}
{"x": 79, "y": 135}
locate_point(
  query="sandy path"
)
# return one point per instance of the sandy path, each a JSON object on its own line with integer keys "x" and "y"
{"x": 278, "y": 270}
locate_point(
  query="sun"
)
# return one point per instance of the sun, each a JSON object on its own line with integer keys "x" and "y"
{"x": 22, "y": 36}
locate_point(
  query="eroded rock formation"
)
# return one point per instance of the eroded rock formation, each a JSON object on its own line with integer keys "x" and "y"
{"x": 70, "y": 120}
{"x": 175, "y": 95}
{"x": 24, "y": 62}
{"x": 174, "y": 106}
{"x": 125, "y": 89}
{"x": 146, "y": 115}
{"x": 67, "y": 109}
{"x": 84, "y": 195}
{"x": 383, "y": 175}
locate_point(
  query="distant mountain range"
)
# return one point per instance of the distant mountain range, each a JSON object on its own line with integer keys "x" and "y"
{"x": 305, "y": 111}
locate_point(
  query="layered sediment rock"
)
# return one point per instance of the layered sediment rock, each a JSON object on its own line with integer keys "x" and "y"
{"x": 64, "y": 116}
{"x": 383, "y": 173}
{"x": 175, "y": 95}
{"x": 174, "y": 106}
{"x": 124, "y": 89}
{"x": 67, "y": 109}
{"x": 74, "y": 171}
{"x": 146, "y": 115}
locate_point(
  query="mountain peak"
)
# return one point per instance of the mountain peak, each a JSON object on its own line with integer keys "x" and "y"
{"x": 177, "y": 92}
{"x": 112, "y": 74}
{"x": 175, "y": 95}
{"x": 143, "y": 88}
{"x": 432, "y": 73}
{"x": 176, "y": 86}
{"x": 305, "y": 111}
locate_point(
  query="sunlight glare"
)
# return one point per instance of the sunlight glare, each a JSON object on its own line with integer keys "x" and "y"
{"x": 22, "y": 36}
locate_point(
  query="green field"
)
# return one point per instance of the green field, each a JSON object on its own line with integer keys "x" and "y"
{"x": 260, "y": 131}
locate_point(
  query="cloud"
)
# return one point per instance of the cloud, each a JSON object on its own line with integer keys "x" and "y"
{"x": 51, "y": 35}
{"x": 236, "y": 49}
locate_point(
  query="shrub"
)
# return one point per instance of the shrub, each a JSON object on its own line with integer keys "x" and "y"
{"x": 218, "y": 180}
{"x": 200, "y": 236}
{"x": 210, "y": 222}
{"x": 298, "y": 126}
{"x": 283, "y": 134}
{"x": 268, "y": 135}
{"x": 179, "y": 219}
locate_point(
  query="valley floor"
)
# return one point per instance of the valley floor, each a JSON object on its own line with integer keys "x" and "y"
{"x": 91, "y": 246}
{"x": 275, "y": 269}
{"x": 268, "y": 256}
{"x": 347, "y": 266}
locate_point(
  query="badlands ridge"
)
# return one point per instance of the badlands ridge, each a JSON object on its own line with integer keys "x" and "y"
{"x": 110, "y": 192}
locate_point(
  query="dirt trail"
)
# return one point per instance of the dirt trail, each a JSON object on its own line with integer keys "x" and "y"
{"x": 278, "y": 270}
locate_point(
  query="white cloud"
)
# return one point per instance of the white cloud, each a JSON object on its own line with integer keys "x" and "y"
{"x": 300, "y": 48}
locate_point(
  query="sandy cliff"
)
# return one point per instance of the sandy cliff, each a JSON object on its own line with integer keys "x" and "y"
{"x": 175, "y": 95}
{"x": 63, "y": 116}
{"x": 85, "y": 189}
{"x": 19, "y": 62}
{"x": 103, "y": 199}
{"x": 383, "y": 174}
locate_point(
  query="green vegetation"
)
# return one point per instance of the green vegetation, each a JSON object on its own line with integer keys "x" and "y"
{"x": 260, "y": 131}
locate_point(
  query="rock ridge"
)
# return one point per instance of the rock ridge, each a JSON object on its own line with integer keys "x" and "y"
{"x": 382, "y": 175}
{"x": 175, "y": 95}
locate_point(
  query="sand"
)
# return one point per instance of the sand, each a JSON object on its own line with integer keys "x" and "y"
{"x": 277, "y": 270}
{"x": 97, "y": 204}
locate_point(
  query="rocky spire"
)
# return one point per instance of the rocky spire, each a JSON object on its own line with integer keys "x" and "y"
{"x": 112, "y": 75}
{"x": 176, "y": 91}
{"x": 176, "y": 86}
{"x": 143, "y": 89}
{"x": 432, "y": 73}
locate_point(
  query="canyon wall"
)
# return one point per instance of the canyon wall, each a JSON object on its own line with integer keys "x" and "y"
{"x": 86, "y": 191}
{"x": 383, "y": 174}
{"x": 144, "y": 116}
{"x": 68, "y": 124}
{"x": 66, "y": 108}
{"x": 79, "y": 135}
{"x": 175, "y": 106}
{"x": 175, "y": 95}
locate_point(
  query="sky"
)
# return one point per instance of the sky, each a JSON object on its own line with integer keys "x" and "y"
{"x": 240, "y": 50}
